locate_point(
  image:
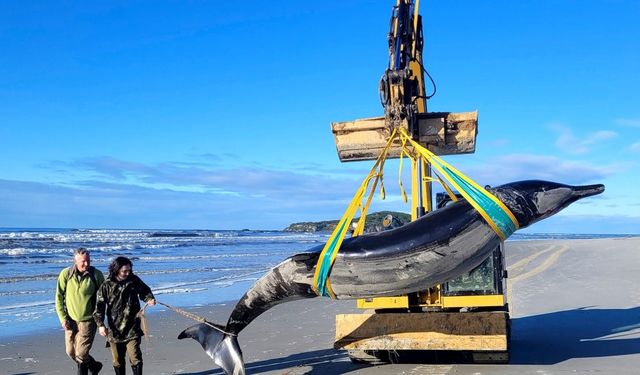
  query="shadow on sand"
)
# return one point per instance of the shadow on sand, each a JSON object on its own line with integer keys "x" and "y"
{"x": 580, "y": 333}
{"x": 325, "y": 361}
{"x": 539, "y": 339}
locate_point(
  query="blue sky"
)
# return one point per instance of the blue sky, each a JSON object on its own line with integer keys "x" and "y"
{"x": 217, "y": 114}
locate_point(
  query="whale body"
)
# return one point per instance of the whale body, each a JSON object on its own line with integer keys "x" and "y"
{"x": 435, "y": 248}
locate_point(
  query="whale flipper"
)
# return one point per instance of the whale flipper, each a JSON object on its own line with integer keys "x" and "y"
{"x": 221, "y": 347}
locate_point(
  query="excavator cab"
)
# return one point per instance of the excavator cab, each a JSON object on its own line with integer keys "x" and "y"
{"x": 488, "y": 279}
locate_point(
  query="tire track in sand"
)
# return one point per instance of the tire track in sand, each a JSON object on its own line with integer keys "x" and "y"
{"x": 542, "y": 267}
{"x": 551, "y": 260}
{"x": 523, "y": 262}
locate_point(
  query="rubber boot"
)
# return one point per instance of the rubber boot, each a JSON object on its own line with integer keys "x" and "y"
{"x": 137, "y": 369}
{"x": 120, "y": 370}
{"x": 83, "y": 369}
{"x": 94, "y": 367}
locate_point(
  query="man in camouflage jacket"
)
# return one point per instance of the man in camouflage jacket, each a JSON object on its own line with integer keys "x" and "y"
{"x": 119, "y": 299}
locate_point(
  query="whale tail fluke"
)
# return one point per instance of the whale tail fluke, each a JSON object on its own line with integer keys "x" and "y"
{"x": 221, "y": 347}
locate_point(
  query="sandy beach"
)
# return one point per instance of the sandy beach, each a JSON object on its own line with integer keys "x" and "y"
{"x": 575, "y": 306}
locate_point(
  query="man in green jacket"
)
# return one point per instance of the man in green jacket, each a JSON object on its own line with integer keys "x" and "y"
{"x": 75, "y": 302}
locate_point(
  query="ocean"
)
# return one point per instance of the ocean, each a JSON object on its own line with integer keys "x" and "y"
{"x": 183, "y": 267}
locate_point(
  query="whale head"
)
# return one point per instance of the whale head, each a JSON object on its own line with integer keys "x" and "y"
{"x": 533, "y": 200}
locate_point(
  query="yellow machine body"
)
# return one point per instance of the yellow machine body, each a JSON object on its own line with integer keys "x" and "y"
{"x": 475, "y": 332}
{"x": 447, "y": 302}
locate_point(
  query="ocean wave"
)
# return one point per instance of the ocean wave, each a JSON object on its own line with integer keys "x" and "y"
{"x": 108, "y": 231}
{"x": 15, "y": 279}
{"x": 21, "y": 251}
{"x": 22, "y": 309}
{"x": 230, "y": 278}
{"x": 212, "y": 256}
{"x": 173, "y": 234}
{"x": 111, "y": 248}
{"x": 48, "y": 260}
{"x": 27, "y": 305}
{"x": 185, "y": 270}
{"x": 227, "y": 283}
{"x": 145, "y": 235}
{"x": 26, "y": 236}
{"x": 178, "y": 291}
{"x": 45, "y": 277}
{"x": 26, "y": 244}
{"x": 169, "y": 271}
{"x": 23, "y": 292}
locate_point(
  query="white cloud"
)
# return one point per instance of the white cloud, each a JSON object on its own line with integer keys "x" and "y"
{"x": 570, "y": 143}
{"x": 628, "y": 122}
{"x": 635, "y": 147}
{"x": 183, "y": 195}
{"x": 119, "y": 205}
{"x": 515, "y": 167}
{"x": 294, "y": 184}
{"x": 127, "y": 206}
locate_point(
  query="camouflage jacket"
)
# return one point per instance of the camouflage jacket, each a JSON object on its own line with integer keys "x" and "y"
{"x": 120, "y": 302}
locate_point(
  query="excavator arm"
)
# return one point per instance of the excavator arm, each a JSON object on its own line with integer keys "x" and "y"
{"x": 402, "y": 89}
{"x": 404, "y": 98}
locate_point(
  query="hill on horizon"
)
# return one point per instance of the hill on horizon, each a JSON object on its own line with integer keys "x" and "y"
{"x": 374, "y": 223}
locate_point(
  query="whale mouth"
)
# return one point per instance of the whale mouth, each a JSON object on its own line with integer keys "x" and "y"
{"x": 587, "y": 190}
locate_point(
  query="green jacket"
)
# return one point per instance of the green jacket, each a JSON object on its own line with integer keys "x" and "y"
{"x": 76, "y": 294}
{"x": 119, "y": 301}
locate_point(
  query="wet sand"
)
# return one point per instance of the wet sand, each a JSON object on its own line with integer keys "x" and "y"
{"x": 575, "y": 306}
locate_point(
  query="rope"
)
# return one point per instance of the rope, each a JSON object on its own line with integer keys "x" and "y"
{"x": 199, "y": 319}
{"x": 143, "y": 321}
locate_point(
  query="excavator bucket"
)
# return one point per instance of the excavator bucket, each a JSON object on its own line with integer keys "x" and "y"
{"x": 443, "y": 133}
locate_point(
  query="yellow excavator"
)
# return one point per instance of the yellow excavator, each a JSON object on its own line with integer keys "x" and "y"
{"x": 468, "y": 315}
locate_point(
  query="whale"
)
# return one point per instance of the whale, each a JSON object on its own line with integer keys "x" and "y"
{"x": 433, "y": 249}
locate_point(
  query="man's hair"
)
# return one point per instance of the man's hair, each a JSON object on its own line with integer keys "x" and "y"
{"x": 115, "y": 266}
{"x": 81, "y": 251}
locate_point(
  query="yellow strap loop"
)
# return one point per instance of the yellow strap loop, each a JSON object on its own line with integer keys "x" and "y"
{"x": 330, "y": 250}
{"x": 363, "y": 217}
{"x": 403, "y": 152}
{"x": 446, "y": 187}
{"x": 441, "y": 166}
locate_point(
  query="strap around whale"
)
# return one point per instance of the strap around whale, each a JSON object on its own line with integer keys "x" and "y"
{"x": 495, "y": 213}
{"x": 321, "y": 284}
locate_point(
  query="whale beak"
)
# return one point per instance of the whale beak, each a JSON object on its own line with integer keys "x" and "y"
{"x": 587, "y": 190}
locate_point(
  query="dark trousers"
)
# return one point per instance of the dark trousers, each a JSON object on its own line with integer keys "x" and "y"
{"x": 131, "y": 348}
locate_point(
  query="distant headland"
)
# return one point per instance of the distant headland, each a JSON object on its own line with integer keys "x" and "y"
{"x": 375, "y": 223}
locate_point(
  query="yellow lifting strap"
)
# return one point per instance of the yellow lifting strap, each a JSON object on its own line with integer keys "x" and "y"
{"x": 496, "y": 214}
{"x": 328, "y": 255}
